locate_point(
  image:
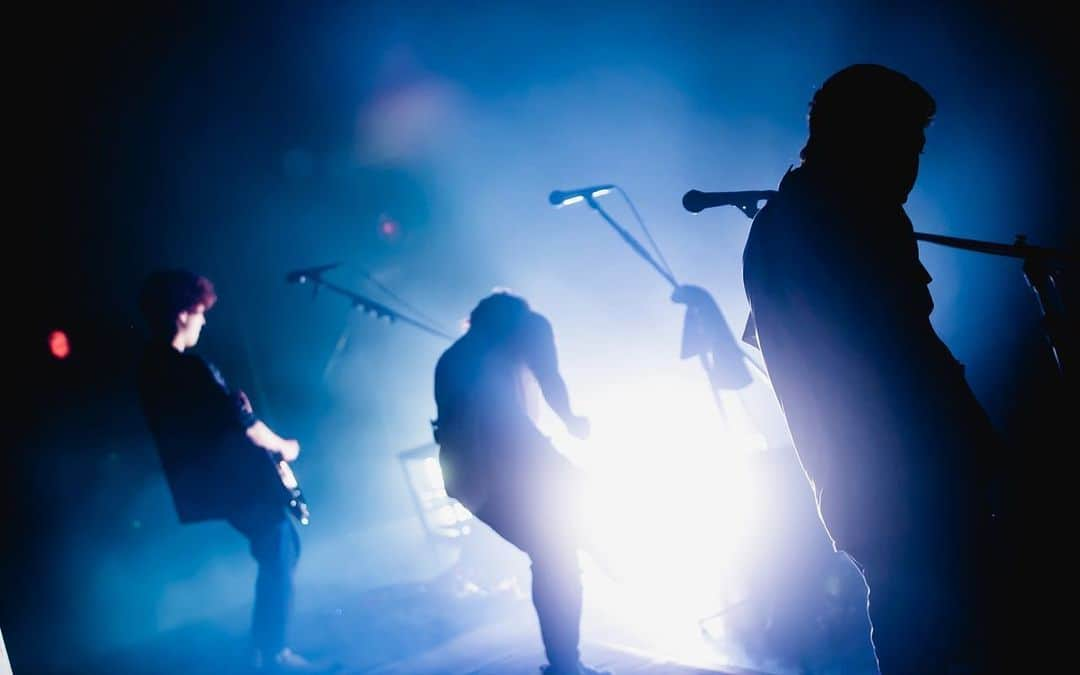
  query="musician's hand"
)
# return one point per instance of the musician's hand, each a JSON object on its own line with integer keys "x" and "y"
{"x": 578, "y": 426}
{"x": 244, "y": 401}
{"x": 290, "y": 449}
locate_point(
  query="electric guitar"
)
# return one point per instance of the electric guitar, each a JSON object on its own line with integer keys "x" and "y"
{"x": 297, "y": 504}
{"x": 294, "y": 496}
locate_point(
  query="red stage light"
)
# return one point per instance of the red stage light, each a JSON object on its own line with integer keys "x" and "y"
{"x": 389, "y": 228}
{"x": 59, "y": 345}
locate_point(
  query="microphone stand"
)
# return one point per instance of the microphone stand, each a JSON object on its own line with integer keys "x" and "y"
{"x": 314, "y": 276}
{"x": 630, "y": 240}
{"x": 708, "y": 365}
{"x": 702, "y": 310}
{"x": 1043, "y": 268}
{"x": 361, "y": 302}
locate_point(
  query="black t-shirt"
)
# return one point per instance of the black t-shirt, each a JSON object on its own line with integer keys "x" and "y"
{"x": 199, "y": 425}
{"x": 486, "y": 388}
{"x": 877, "y": 406}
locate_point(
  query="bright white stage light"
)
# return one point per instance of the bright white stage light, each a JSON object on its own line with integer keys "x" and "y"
{"x": 672, "y": 508}
{"x": 673, "y": 503}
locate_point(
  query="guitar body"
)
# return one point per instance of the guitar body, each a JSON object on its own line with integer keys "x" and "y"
{"x": 297, "y": 504}
{"x": 293, "y": 495}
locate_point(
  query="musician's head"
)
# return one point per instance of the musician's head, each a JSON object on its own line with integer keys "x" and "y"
{"x": 498, "y": 315}
{"x": 868, "y": 124}
{"x": 173, "y": 303}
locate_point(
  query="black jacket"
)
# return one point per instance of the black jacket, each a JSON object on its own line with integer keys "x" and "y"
{"x": 198, "y": 425}
{"x": 885, "y": 425}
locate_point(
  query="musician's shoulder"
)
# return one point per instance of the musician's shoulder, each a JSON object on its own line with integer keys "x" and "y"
{"x": 537, "y": 326}
{"x": 204, "y": 365}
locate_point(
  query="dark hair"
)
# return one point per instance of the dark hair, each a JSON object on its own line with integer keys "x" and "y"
{"x": 498, "y": 314}
{"x": 166, "y": 293}
{"x": 864, "y": 104}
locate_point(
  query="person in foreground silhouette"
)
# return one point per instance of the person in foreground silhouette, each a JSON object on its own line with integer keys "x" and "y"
{"x": 496, "y": 462}
{"x": 216, "y": 454}
{"x": 899, "y": 453}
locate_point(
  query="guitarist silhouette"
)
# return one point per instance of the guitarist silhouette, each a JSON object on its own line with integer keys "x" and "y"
{"x": 216, "y": 454}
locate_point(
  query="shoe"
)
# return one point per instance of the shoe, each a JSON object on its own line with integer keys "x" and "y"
{"x": 581, "y": 669}
{"x": 287, "y": 661}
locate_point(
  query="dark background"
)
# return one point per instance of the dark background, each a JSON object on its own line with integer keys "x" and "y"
{"x": 243, "y": 141}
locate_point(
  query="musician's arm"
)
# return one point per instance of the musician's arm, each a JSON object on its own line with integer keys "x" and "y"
{"x": 265, "y": 437}
{"x": 230, "y": 410}
{"x": 544, "y": 362}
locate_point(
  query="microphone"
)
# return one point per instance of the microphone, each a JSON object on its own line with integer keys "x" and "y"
{"x": 302, "y": 276}
{"x": 696, "y": 201}
{"x": 567, "y": 197}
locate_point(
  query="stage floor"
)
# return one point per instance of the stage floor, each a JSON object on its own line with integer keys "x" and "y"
{"x": 446, "y": 624}
{"x": 494, "y": 650}
{"x": 408, "y": 629}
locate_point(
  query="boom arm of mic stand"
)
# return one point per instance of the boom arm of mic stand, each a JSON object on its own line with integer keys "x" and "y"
{"x": 631, "y": 241}
{"x": 1041, "y": 267}
{"x": 376, "y": 309}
